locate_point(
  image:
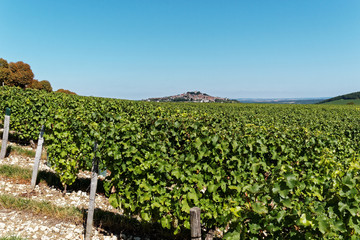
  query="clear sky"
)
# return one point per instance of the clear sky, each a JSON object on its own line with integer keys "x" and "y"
{"x": 137, "y": 49}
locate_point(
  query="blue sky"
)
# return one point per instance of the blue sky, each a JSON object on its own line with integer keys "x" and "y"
{"x": 140, "y": 48}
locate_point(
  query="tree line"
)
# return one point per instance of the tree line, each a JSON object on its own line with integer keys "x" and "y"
{"x": 19, "y": 74}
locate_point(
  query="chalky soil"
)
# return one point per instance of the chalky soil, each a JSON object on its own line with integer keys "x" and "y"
{"x": 31, "y": 226}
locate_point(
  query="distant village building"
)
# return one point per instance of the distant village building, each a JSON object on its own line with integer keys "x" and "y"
{"x": 195, "y": 96}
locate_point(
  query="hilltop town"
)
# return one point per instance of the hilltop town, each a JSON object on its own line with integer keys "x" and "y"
{"x": 195, "y": 96}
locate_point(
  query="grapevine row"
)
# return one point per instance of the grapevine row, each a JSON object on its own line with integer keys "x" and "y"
{"x": 270, "y": 171}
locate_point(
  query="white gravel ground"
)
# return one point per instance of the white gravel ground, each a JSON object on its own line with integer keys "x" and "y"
{"x": 31, "y": 226}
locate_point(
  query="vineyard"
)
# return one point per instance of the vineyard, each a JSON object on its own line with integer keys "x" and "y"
{"x": 259, "y": 171}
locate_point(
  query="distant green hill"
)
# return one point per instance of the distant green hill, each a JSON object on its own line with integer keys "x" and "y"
{"x": 351, "y": 98}
{"x": 344, "y": 102}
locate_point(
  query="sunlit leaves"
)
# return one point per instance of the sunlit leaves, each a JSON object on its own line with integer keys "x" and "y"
{"x": 269, "y": 171}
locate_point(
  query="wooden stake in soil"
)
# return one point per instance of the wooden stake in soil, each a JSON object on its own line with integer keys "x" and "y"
{"x": 37, "y": 157}
{"x": 94, "y": 177}
{"x": 195, "y": 225}
{"x": 5, "y": 133}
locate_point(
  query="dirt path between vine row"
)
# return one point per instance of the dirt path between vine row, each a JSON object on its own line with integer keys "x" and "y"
{"x": 36, "y": 226}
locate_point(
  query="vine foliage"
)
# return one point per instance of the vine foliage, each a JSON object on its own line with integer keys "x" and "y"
{"x": 265, "y": 171}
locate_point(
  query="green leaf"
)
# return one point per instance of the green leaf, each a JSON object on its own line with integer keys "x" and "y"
{"x": 280, "y": 216}
{"x": 276, "y": 188}
{"x": 113, "y": 201}
{"x": 236, "y": 211}
{"x": 305, "y": 222}
{"x": 349, "y": 181}
{"x": 237, "y": 188}
{"x": 339, "y": 226}
{"x": 165, "y": 222}
{"x": 259, "y": 208}
{"x": 291, "y": 180}
{"x": 324, "y": 226}
{"x": 254, "y": 228}
{"x": 342, "y": 206}
{"x": 353, "y": 211}
{"x": 254, "y": 188}
{"x": 215, "y": 139}
{"x": 63, "y": 154}
{"x": 197, "y": 143}
{"x": 212, "y": 188}
{"x": 223, "y": 186}
{"x": 192, "y": 195}
{"x": 287, "y": 203}
{"x": 185, "y": 206}
{"x": 176, "y": 173}
{"x": 232, "y": 235}
{"x": 145, "y": 216}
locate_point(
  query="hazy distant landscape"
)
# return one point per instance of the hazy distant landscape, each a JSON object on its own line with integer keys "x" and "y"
{"x": 199, "y": 97}
{"x": 282, "y": 100}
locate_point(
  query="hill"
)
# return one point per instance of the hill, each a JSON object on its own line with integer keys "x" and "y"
{"x": 344, "y": 102}
{"x": 195, "y": 96}
{"x": 351, "y": 98}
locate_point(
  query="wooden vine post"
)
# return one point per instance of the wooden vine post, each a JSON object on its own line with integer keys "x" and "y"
{"x": 5, "y": 133}
{"x": 93, "y": 186}
{"x": 37, "y": 157}
{"x": 195, "y": 224}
